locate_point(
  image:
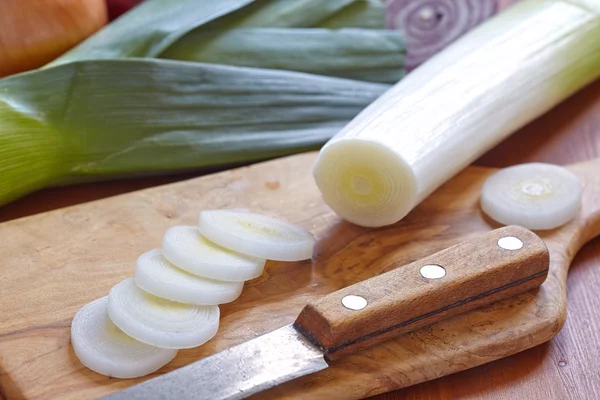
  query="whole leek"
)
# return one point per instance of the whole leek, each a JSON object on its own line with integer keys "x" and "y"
{"x": 90, "y": 120}
{"x": 457, "y": 105}
{"x": 111, "y": 108}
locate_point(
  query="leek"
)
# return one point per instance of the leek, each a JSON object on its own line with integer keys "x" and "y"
{"x": 368, "y": 14}
{"x": 186, "y": 248}
{"x": 157, "y": 276}
{"x": 460, "y": 103}
{"x": 97, "y": 119}
{"x": 85, "y": 118}
{"x": 149, "y": 29}
{"x": 256, "y": 235}
{"x": 535, "y": 195}
{"x": 155, "y": 25}
{"x": 160, "y": 322}
{"x": 242, "y": 32}
{"x": 286, "y": 13}
{"x": 369, "y": 55}
{"x": 105, "y": 349}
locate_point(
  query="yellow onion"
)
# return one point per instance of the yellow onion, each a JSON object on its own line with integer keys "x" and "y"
{"x": 34, "y": 32}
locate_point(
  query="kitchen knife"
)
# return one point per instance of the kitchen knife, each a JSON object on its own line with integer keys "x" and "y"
{"x": 487, "y": 268}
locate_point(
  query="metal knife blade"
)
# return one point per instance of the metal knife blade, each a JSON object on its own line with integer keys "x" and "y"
{"x": 237, "y": 372}
{"x": 463, "y": 277}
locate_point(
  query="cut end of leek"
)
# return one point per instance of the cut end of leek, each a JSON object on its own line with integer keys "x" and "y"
{"x": 364, "y": 182}
{"x": 156, "y": 275}
{"x": 536, "y": 196}
{"x": 460, "y": 103}
{"x": 105, "y": 349}
{"x": 257, "y": 235}
{"x": 186, "y": 248}
{"x": 160, "y": 322}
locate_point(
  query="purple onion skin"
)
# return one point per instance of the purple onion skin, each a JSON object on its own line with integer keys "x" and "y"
{"x": 431, "y": 25}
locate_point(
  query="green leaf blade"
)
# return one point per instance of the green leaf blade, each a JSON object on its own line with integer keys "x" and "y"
{"x": 149, "y": 29}
{"x": 348, "y": 53}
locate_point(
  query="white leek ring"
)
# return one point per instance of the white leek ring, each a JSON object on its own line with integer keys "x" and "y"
{"x": 536, "y": 196}
{"x": 160, "y": 322}
{"x": 105, "y": 349}
{"x": 187, "y": 249}
{"x": 257, "y": 235}
{"x": 156, "y": 275}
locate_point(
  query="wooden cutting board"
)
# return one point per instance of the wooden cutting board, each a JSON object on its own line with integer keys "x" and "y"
{"x": 56, "y": 262}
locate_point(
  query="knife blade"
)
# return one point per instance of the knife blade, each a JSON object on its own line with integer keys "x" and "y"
{"x": 490, "y": 267}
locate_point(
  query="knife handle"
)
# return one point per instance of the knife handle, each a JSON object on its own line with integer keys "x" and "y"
{"x": 487, "y": 268}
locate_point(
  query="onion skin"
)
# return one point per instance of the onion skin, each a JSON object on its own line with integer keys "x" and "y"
{"x": 431, "y": 25}
{"x": 116, "y": 8}
{"x": 34, "y": 32}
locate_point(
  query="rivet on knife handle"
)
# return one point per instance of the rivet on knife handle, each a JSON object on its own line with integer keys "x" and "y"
{"x": 494, "y": 266}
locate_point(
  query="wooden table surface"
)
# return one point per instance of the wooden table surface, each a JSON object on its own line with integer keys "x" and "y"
{"x": 567, "y": 367}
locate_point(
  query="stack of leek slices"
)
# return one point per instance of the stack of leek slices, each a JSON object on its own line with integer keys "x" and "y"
{"x": 171, "y": 302}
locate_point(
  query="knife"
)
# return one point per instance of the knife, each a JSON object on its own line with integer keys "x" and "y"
{"x": 490, "y": 267}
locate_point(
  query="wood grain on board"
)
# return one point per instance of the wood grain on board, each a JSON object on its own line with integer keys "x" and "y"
{"x": 56, "y": 262}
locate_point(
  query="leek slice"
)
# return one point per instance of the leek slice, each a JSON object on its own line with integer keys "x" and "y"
{"x": 257, "y": 235}
{"x": 187, "y": 249}
{"x": 105, "y": 349}
{"x": 160, "y": 322}
{"x": 156, "y": 275}
{"x": 537, "y": 196}
{"x": 460, "y": 103}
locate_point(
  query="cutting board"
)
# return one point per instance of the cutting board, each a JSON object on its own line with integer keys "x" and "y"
{"x": 56, "y": 262}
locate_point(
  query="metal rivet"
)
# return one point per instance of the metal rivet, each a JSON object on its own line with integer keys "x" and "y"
{"x": 433, "y": 271}
{"x": 353, "y": 302}
{"x": 510, "y": 243}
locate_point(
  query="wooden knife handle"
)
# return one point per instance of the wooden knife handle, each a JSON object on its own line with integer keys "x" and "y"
{"x": 487, "y": 268}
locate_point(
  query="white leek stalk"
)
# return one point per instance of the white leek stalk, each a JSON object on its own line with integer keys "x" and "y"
{"x": 459, "y": 104}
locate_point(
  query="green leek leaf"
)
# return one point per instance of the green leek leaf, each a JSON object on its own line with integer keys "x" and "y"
{"x": 91, "y": 120}
{"x": 154, "y": 25}
{"x": 149, "y": 29}
{"x": 368, "y": 14}
{"x": 283, "y": 14}
{"x": 369, "y": 55}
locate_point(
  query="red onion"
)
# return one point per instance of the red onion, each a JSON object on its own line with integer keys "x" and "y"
{"x": 118, "y": 7}
{"x": 430, "y": 25}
